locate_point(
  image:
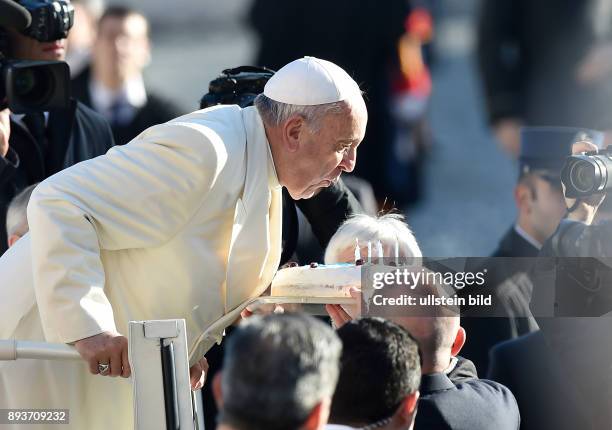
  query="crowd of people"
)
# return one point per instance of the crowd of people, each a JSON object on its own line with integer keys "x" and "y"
{"x": 118, "y": 207}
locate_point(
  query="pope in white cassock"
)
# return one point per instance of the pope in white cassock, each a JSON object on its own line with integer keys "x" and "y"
{"x": 182, "y": 222}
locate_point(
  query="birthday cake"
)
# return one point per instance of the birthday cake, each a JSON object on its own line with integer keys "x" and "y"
{"x": 317, "y": 280}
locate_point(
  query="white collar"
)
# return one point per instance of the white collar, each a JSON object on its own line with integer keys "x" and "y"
{"x": 18, "y": 118}
{"x": 527, "y": 237}
{"x": 272, "y": 175}
{"x": 338, "y": 427}
{"x": 133, "y": 92}
{"x": 451, "y": 365}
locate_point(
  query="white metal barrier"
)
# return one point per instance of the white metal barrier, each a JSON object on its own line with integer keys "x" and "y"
{"x": 159, "y": 360}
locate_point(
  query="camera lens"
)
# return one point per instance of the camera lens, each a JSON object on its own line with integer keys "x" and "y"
{"x": 33, "y": 85}
{"x": 583, "y": 176}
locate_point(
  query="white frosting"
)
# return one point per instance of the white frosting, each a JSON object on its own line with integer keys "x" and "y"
{"x": 322, "y": 281}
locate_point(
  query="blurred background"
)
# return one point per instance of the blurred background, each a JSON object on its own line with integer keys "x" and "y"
{"x": 463, "y": 203}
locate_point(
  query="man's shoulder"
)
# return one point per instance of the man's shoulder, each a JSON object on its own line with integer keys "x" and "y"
{"x": 161, "y": 107}
{"x": 222, "y": 126}
{"x": 85, "y": 113}
{"x": 94, "y": 127}
{"x": 217, "y": 136}
{"x": 478, "y": 403}
{"x": 525, "y": 352}
{"x": 469, "y": 389}
{"x": 485, "y": 389}
{"x": 217, "y": 119}
{"x": 514, "y": 346}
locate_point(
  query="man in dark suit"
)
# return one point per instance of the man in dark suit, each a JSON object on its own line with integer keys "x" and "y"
{"x": 533, "y": 372}
{"x": 41, "y": 144}
{"x": 113, "y": 85}
{"x": 452, "y": 395}
{"x": 540, "y": 206}
{"x": 378, "y": 386}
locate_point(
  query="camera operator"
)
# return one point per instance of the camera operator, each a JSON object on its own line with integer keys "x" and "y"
{"x": 540, "y": 207}
{"x": 576, "y": 346}
{"x": 36, "y": 145}
{"x": 576, "y": 234}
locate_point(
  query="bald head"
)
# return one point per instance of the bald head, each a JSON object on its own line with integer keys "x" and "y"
{"x": 438, "y": 331}
{"x": 436, "y": 337}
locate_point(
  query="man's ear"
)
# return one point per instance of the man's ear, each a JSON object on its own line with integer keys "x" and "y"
{"x": 216, "y": 389}
{"x": 318, "y": 416}
{"x": 292, "y": 131}
{"x": 406, "y": 411}
{"x": 459, "y": 341}
{"x": 523, "y": 196}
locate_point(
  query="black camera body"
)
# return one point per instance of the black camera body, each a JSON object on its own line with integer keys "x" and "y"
{"x": 238, "y": 86}
{"x": 31, "y": 86}
{"x": 34, "y": 86}
{"x": 588, "y": 173}
{"x": 51, "y": 19}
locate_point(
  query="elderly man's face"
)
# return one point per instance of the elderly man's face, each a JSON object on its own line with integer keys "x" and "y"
{"x": 322, "y": 156}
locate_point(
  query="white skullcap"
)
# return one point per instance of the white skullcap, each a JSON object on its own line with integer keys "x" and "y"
{"x": 311, "y": 81}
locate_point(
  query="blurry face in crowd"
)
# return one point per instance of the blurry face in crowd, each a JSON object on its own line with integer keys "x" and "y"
{"x": 546, "y": 207}
{"x": 27, "y": 48}
{"x": 121, "y": 49}
{"x": 318, "y": 158}
{"x": 82, "y": 33}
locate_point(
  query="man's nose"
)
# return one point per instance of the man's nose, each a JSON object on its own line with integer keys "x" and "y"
{"x": 348, "y": 161}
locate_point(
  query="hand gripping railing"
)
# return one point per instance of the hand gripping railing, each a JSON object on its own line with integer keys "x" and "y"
{"x": 161, "y": 387}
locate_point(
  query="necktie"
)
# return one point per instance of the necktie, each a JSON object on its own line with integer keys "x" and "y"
{"x": 36, "y": 126}
{"x": 118, "y": 112}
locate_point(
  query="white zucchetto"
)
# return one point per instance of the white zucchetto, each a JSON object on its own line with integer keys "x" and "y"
{"x": 311, "y": 81}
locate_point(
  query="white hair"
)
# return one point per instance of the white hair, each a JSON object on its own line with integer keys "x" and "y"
{"x": 275, "y": 113}
{"x": 387, "y": 229}
{"x": 16, "y": 214}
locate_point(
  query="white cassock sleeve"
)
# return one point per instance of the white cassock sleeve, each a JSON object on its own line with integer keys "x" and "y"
{"x": 137, "y": 195}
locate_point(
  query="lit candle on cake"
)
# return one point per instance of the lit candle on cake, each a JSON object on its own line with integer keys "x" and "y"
{"x": 379, "y": 251}
{"x": 369, "y": 251}
{"x": 396, "y": 253}
{"x": 357, "y": 250}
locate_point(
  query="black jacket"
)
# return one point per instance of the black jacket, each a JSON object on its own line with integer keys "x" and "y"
{"x": 471, "y": 404}
{"x": 325, "y": 212}
{"x": 75, "y": 134}
{"x": 513, "y": 245}
{"x": 561, "y": 374}
{"x": 156, "y": 111}
{"x": 507, "y": 278}
{"x": 532, "y": 371}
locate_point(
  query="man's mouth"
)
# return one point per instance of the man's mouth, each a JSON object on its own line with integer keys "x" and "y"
{"x": 54, "y": 47}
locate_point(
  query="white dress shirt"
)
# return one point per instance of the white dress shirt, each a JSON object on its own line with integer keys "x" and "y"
{"x": 132, "y": 96}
